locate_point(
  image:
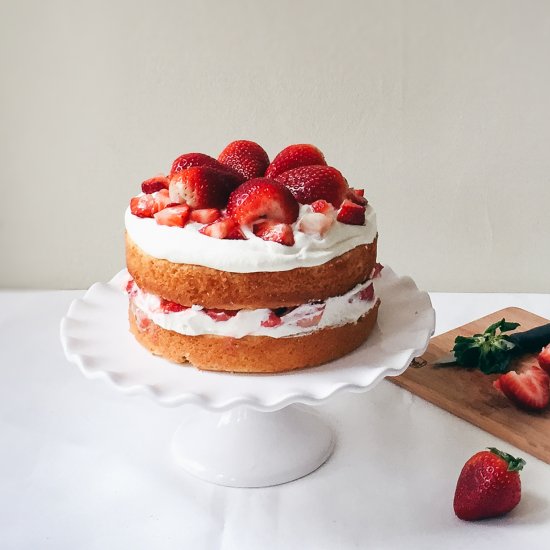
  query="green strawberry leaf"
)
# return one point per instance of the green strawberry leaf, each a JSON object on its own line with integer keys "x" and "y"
{"x": 490, "y": 351}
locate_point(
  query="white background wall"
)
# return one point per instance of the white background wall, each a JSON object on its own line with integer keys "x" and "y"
{"x": 440, "y": 109}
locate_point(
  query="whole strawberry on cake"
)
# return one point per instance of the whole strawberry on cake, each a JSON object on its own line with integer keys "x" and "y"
{"x": 244, "y": 265}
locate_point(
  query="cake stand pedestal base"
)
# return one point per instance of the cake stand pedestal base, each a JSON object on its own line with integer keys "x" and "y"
{"x": 247, "y": 448}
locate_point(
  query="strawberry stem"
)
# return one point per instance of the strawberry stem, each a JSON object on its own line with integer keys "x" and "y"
{"x": 514, "y": 464}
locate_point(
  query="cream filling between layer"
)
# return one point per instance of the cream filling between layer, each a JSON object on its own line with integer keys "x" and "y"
{"x": 338, "y": 310}
{"x": 187, "y": 246}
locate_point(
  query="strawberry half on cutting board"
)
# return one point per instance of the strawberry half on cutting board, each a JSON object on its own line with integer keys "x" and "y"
{"x": 529, "y": 389}
{"x": 488, "y": 485}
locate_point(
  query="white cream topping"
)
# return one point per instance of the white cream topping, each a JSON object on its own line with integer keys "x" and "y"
{"x": 187, "y": 245}
{"x": 337, "y": 311}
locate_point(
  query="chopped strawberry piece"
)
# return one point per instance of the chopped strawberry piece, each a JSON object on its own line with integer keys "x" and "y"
{"x": 130, "y": 286}
{"x": 176, "y": 216}
{"x": 315, "y": 223}
{"x": 273, "y": 320}
{"x": 312, "y": 317}
{"x": 357, "y": 196}
{"x": 152, "y": 185}
{"x": 246, "y": 157}
{"x": 351, "y": 213}
{"x": 146, "y": 206}
{"x": 236, "y": 234}
{"x": 322, "y": 207}
{"x": 528, "y": 389}
{"x": 262, "y": 198}
{"x": 544, "y": 358}
{"x": 376, "y": 270}
{"x": 171, "y": 307}
{"x": 294, "y": 156}
{"x": 205, "y": 215}
{"x": 367, "y": 294}
{"x": 161, "y": 200}
{"x": 142, "y": 321}
{"x": 277, "y": 232}
{"x": 312, "y": 183}
{"x": 220, "y": 229}
{"x": 220, "y": 314}
{"x": 143, "y": 207}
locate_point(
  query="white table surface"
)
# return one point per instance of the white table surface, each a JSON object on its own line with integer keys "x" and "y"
{"x": 83, "y": 466}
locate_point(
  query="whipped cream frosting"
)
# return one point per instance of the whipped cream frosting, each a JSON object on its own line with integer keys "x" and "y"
{"x": 337, "y": 311}
{"x": 187, "y": 245}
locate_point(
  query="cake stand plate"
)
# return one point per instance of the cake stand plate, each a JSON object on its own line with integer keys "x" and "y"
{"x": 247, "y": 432}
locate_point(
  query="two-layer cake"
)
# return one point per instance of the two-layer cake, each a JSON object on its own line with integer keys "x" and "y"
{"x": 243, "y": 265}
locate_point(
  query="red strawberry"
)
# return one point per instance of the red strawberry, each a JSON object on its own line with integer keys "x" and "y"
{"x": 142, "y": 321}
{"x": 202, "y": 187}
{"x": 220, "y": 314}
{"x": 351, "y": 213}
{"x": 171, "y": 307}
{"x": 143, "y": 207}
{"x": 193, "y": 160}
{"x": 246, "y": 157}
{"x": 189, "y": 160}
{"x": 277, "y": 232}
{"x": 488, "y": 485}
{"x": 311, "y": 183}
{"x": 222, "y": 229}
{"x": 544, "y": 358}
{"x": 294, "y": 156}
{"x": 322, "y": 206}
{"x": 236, "y": 234}
{"x": 152, "y": 185}
{"x": 161, "y": 199}
{"x": 312, "y": 317}
{"x": 528, "y": 389}
{"x": 315, "y": 223}
{"x": 366, "y": 295}
{"x": 357, "y": 196}
{"x": 262, "y": 198}
{"x": 273, "y": 320}
{"x": 176, "y": 216}
{"x": 205, "y": 215}
{"x": 376, "y": 270}
{"x": 131, "y": 288}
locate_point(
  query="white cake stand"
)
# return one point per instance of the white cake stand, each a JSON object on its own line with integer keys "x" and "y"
{"x": 248, "y": 430}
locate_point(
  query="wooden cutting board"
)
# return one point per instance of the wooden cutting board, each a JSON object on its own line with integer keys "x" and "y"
{"x": 469, "y": 393}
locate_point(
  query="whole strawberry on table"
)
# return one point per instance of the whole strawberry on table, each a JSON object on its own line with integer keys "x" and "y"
{"x": 488, "y": 486}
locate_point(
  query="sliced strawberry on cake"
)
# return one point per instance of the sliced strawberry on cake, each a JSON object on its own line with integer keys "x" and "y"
{"x": 175, "y": 216}
{"x": 202, "y": 187}
{"x": 154, "y": 184}
{"x": 312, "y": 183}
{"x": 293, "y": 156}
{"x": 351, "y": 213}
{"x": 262, "y": 199}
{"x": 275, "y": 232}
{"x": 194, "y": 160}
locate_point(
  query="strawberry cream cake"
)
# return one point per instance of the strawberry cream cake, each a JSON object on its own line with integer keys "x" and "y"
{"x": 244, "y": 265}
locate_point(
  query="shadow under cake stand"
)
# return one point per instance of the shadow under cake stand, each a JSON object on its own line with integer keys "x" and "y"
{"x": 248, "y": 430}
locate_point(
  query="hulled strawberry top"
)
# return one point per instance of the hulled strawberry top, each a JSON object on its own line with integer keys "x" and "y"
{"x": 242, "y": 196}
